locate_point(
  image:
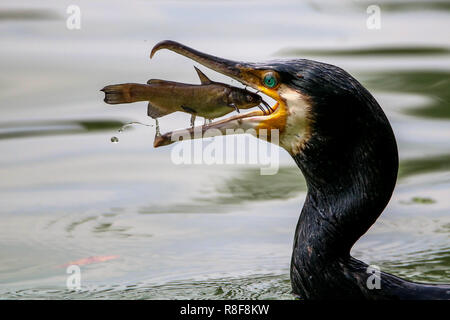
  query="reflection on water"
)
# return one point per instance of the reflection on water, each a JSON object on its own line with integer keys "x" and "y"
{"x": 58, "y": 127}
{"x": 249, "y": 185}
{"x": 430, "y": 83}
{"x": 241, "y": 187}
{"x": 198, "y": 231}
{"x": 28, "y": 14}
{"x": 424, "y": 165}
{"x": 415, "y": 5}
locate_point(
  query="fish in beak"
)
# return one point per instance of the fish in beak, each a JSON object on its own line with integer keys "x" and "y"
{"x": 260, "y": 77}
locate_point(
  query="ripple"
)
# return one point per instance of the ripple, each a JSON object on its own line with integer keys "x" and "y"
{"x": 263, "y": 287}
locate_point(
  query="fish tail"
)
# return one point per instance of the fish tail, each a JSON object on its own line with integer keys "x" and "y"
{"x": 125, "y": 93}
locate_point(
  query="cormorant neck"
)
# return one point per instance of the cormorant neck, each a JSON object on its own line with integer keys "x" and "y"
{"x": 349, "y": 184}
{"x": 350, "y": 181}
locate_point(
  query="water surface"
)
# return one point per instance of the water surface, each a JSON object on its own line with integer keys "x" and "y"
{"x": 199, "y": 231}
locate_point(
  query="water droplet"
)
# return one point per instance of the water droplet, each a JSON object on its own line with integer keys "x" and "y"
{"x": 114, "y": 139}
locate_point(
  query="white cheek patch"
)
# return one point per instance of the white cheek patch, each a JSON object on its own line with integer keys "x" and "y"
{"x": 297, "y": 130}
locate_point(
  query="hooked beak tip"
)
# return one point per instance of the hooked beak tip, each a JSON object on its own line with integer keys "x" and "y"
{"x": 163, "y": 44}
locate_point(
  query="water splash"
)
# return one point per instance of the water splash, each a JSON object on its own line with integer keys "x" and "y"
{"x": 134, "y": 123}
{"x": 129, "y": 124}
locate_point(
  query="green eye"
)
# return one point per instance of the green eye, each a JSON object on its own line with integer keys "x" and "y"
{"x": 269, "y": 80}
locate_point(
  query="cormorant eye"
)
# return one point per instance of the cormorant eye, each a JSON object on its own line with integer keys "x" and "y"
{"x": 269, "y": 80}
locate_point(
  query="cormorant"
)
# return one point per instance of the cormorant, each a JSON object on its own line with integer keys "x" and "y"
{"x": 343, "y": 143}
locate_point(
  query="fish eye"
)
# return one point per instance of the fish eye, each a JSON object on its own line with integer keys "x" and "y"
{"x": 249, "y": 97}
{"x": 270, "y": 80}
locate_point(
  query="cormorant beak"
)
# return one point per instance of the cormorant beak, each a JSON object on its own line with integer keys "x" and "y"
{"x": 250, "y": 74}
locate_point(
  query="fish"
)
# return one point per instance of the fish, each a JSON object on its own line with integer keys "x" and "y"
{"x": 209, "y": 99}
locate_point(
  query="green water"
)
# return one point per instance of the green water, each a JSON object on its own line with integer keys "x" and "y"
{"x": 199, "y": 231}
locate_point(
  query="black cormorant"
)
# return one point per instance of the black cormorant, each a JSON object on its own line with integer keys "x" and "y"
{"x": 344, "y": 145}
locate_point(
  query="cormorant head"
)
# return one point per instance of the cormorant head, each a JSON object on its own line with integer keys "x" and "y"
{"x": 320, "y": 112}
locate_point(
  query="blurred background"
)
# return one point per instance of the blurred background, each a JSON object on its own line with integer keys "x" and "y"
{"x": 142, "y": 227}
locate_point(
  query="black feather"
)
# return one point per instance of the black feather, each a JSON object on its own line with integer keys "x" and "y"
{"x": 350, "y": 164}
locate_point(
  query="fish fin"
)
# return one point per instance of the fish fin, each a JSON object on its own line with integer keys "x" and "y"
{"x": 189, "y": 110}
{"x": 153, "y": 81}
{"x": 167, "y": 82}
{"x": 156, "y": 112}
{"x": 203, "y": 78}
